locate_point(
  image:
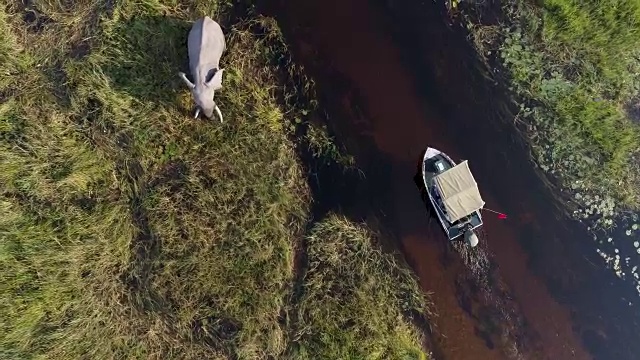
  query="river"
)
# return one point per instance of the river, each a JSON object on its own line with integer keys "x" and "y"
{"x": 394, "y": 80}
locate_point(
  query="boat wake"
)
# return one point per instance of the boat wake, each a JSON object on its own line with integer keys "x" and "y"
{"x": 484, "y": 297}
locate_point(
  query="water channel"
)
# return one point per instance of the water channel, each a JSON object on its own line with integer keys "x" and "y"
{"x": 395, "y": 78}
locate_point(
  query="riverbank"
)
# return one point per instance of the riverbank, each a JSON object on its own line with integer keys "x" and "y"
{"x": 132, "y": 230}
{"x": 574, "y": 71}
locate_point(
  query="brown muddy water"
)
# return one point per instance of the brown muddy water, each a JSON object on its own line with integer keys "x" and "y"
{"x": 396, "y": 79}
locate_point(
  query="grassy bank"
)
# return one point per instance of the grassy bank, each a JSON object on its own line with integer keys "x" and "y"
{"x": 574, "y": 67}
{"x": 130, "y": 230}
{"x": 363, "y": 291}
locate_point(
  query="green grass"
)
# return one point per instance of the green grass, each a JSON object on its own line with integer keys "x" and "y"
{"x": 575, "y": 68}
{"x": 598, "y": 36}
{"x": 129, "y": 229}
{"x": 366, "y": 294}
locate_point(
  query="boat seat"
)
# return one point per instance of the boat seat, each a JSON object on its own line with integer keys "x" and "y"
{"x": 438, "y": 199}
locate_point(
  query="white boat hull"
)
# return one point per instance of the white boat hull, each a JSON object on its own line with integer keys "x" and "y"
{"x": 429, "y": 169}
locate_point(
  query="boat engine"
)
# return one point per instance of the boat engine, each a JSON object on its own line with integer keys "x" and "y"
{"x": 471, "y": 238}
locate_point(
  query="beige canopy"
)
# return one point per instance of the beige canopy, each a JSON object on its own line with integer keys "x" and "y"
{"x": 459, "y": 191}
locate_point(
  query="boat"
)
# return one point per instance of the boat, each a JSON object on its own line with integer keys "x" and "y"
{"x": 454, "y": 195}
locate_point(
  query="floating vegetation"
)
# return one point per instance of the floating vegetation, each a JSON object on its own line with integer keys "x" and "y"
{"x": 629, "y": 249}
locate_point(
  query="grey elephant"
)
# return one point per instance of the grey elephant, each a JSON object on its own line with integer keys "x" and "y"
{"x": 205, "y": 46}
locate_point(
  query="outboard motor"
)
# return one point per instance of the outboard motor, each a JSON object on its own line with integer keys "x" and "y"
{"x": 471, "y": 238}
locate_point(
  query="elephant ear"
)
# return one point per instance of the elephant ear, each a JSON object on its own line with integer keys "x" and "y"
{"x": 216, "y": 80}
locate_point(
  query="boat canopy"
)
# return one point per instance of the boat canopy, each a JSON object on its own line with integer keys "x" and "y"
{"x": 459, "y": 191}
